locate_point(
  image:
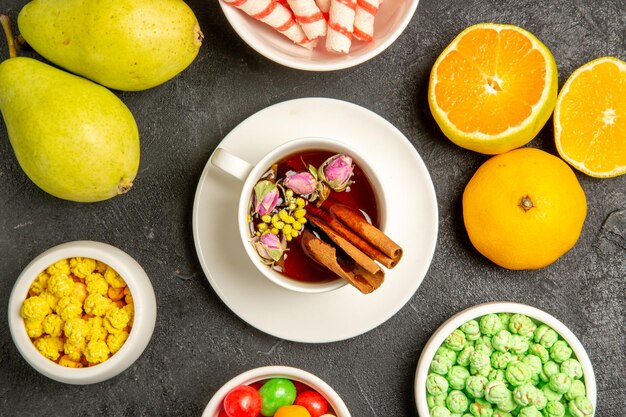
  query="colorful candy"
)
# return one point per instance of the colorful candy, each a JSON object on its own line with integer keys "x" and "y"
{"x": 242, "y": 401}
{"x": 276, "y": 397}
{"x": 313, "y": 401}
{"x": 504, "y": 365}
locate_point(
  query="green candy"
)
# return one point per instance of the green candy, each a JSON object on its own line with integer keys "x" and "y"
{"x": 436, "y": 384}
{"x": 580, "y": 407}
{"x": 483, "y": 344}
{"x": 560, "y": 351}
{"x": 540, "y": 351}
{"x": 519, "y": 344}
{"x": 475, "y": 386}
{"x": 440, "y": 365}
{"x": 464, "y": 356}
{"x": 455, "y": 341}
{"x": 435, "y": 400}
{"x": 481, "y": 408}
{"x": 521, "y": 325}
{"x": 500, "y": 360}
{"x": 276, "y": 393}
{"x": 457, "y": 377}
{"x": 550, "y": 368}
{"x": 471, "y": 330}
{"x": 509, "y": 405}
{"x": 496, "y": 375}
{"x": 502, "y": 341}
{"x": 524, "y": 393}
{"x": 554, "y": 409}
{"x": 449, "y": 354}
{"x": 456, "y": 415}
{"x": 577, "y": 389}
{"x": 550, "y": 394}
{"x": 496, "y": 392}
{"x": 490, "y": 324}
{"x": 545, "y": 336}
{"x": 457, "y": 402}
{"x": 572, "y": 368}
{"x": 560, "y": 383}
{"x": 485, "y": 371}
{"x": 505, "y": 318}
{"x": 517, "y": 373}
{"x": 479, "y": 360}
{"x": 530, "y": 411}
{"x": 534, "y": 363}
{"x": 500, "y": 413}
{"x": 440, "y": 411}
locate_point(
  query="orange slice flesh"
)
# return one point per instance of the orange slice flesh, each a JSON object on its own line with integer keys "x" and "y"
{"x": 493, "y": 88}
{"x": 590, "y": 118}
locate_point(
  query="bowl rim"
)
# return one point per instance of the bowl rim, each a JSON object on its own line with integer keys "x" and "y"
{"x": 315, "y": 66}
{"x": 143, "y": 323}
{"x": 266, "y": 372}
{"x": 438, "y": 337}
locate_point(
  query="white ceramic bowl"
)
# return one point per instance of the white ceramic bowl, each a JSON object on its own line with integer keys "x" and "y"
{"x": 267, "y": 372}
{"x": 143, "y": 324}
{"x": 392, "y": 18}
{"x": 480, "y": 310}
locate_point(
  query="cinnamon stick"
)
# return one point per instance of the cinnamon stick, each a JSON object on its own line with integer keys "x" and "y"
{"x": 357, "y": 223}
{"x": 326, "y": 255}
{"x": 351, "y": 237}
{"x": 352, "y": 251}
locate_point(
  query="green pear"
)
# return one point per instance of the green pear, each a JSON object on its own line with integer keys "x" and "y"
{"x": 73, "y": 138}
{"x": 127, "y": 45}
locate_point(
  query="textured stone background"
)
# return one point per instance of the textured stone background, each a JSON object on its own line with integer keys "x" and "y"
{"x": 198, "y": 343}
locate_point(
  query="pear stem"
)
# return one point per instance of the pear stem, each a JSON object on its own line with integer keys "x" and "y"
{"x": 8, "y": 33}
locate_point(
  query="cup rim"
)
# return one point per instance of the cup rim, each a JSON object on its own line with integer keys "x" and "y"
{"x": 438, "y": 337}
{"x": 267, "y": 372}
{"x": 278, "y": 152}
{"x": 143, "y": 322}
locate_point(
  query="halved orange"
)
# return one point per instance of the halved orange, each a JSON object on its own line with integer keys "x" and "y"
{"x": 493, "y": 88}
{"x": 590, "y": 118}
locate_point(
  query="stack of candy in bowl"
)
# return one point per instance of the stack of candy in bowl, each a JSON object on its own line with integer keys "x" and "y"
{"x": 304, "y": 22}
{"x": 79, "y": 312}
{"x": 277, "y": 397}
{"x": 504, "y": 365}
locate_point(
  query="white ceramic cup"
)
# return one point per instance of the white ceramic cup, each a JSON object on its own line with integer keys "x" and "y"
{"x": 250, "y": 175}
{"x": 143, "y": 323}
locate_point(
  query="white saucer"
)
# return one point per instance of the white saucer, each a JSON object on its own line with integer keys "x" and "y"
{"x": 340, "y": 314}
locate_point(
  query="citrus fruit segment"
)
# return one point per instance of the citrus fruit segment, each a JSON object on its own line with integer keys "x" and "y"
{"x": 524, "y": 209}
{"x": 590, "y": 118}
{"x": 493, "y": 88}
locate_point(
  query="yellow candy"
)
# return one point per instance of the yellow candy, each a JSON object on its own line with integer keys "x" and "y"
{"x": 60, "y": 285}
{"x": 96, "y": 284}
{"x": 113, "y": 278}
{"x": 53, "y": 325}
{"x": 49, "y": 346}
{"x": 34, "y": 328}
{"x": 61, "y": 267}
{"x": 97, "y": 351}
{"x": 96, "y": 305}
{"x": 76, "y": 330}
{"x": 69, "y": 308}
{"x": 81, "y": 267}
{"x": 40, "y": 283}
{"x": 116, "y": 341}
{"x": 35, "y": 308}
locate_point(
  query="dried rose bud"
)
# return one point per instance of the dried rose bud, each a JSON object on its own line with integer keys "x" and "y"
{"x": 302, "y": 183}
{"x": 265, "y": 197}
{"x": 269, "y": 247}
{"x": 337, "y": 172}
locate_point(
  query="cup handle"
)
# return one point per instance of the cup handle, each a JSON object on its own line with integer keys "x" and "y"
{"x": 231, "y": 164}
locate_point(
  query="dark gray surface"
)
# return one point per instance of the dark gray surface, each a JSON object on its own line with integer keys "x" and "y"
{"x": 198, "y": 343}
